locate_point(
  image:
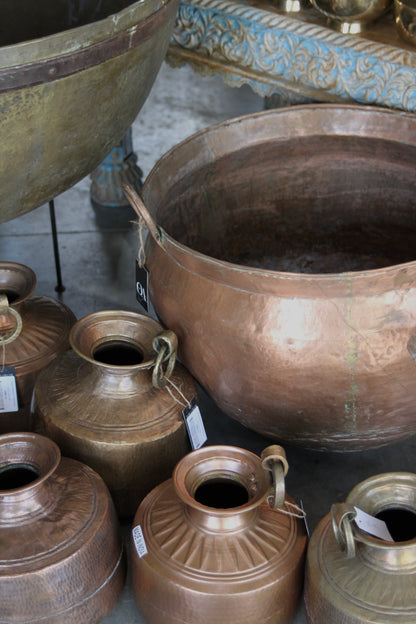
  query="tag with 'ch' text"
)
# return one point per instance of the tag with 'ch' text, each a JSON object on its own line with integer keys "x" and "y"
{"x": 8, "y": 390}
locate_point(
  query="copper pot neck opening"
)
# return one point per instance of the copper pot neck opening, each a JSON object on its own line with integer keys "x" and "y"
{"x": 222, "y": 487}
{"x": 116, "y": 341}
{"x": 17, "y": 282}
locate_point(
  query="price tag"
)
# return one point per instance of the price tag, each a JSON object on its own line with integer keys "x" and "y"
{"x": 8, "y": 391}
{"x": 139, "y": 542}
{"x": 142, "y": 286}
{"x": 372, "y": 525}
{"x": 194, "y": 425}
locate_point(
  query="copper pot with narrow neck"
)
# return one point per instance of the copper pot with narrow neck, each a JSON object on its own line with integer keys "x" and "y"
{"x": 355, "y": 577}
{"x": 34, "y": 329}
{"x": 219, "y": 542}
{"x": 115, "y": 402}
{"x": 282, "y": 254}
{"x": 61, "y": 556}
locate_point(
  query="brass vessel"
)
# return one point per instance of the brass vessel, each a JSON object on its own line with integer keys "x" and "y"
{"x": 355, "y": 577}
{"x": 73, "y": 77}
{"x": 219, "y": 543}
{"x": 352, "y": 16}
{"x": 61, "y": 556}
{"x": 103, "y": 405}
{"x": 34, "y": 329}
{"x": 290, "y": 278}
{"x": 405, "y": 17}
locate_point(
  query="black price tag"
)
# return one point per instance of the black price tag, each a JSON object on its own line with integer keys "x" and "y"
{"x": 142, "y": 286}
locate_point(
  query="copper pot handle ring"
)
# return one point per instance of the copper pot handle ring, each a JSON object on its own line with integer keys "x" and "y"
{"x": 166, "y": 345}
{"x": 142, "y": 212}
{"x": 6, "y": 309}
{"x": 342, "y": 517}
{"x": 274, "y": 460}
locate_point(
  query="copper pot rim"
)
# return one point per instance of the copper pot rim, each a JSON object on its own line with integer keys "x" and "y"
{"x": 114, "y": 315}
{"x": 197, "y": 458}
{"x": 34, "y": 441}
{"x": 370, "y": 486}
{"x": 87, "y": 35}
{"x": 211, "y": 266}
{"x": 24, "y": 274}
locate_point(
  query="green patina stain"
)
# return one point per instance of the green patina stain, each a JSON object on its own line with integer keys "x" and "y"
{"x": 351, "y": 359}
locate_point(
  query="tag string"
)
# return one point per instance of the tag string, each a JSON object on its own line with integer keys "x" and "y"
{"x": 179, "y": 391}
{"x": 292, "y": 510}
{"x": 141, "y": 256}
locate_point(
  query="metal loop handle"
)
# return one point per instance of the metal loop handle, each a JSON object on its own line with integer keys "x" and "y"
{"x": 166, "y": 345}
{"x": 273, "y": 459}
{"x": 6, "y": 309}
{"x": 141, "y": 210}
{"x": 342, "y": 517}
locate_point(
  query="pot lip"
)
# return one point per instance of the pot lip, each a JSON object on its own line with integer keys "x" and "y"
{"x": 205, "y": 453}
{"x": 208, "y": 265}
{"x": 32, "y": 439}
{"x": 126, "y": 315}
{"x": 64, "y": 42}
{"x": 368, "y": 485}
{"x": 23, "y": 270}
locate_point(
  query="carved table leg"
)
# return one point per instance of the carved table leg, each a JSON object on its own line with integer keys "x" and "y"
{"x": 111, "y": 208}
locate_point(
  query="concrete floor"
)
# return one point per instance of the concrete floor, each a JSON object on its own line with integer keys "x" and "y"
{"x": 98, "y": 272}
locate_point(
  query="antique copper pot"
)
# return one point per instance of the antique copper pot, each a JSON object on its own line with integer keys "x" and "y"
{"x": 282, "y": 254}
{"x": 217, "y": 544}
{"x": 73, "y": 77}
{"x": 355, "y": 577}
{"x": 101, "y": 402}
{"x": 34, "y": 329}
{"x": 61, "y": 556}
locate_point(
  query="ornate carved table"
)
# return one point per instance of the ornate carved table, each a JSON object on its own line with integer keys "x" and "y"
{"x": 273, "y": 51}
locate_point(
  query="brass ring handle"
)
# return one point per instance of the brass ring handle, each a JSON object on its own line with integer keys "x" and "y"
{"x": 341, "y": 518}
{"x": 166, "y": 345}
{"x": 273, "y": 459}
{"x": 5, "y": 308}
{"x": 141, "y": 210}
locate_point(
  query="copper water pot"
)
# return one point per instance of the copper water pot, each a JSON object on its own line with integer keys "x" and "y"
{"x": 61, "y": 557}
{"x": 218, "y": 543}
{"x": 355, "y": 578}
{"x": 34, "y": 330}
{"x": 282, "y": 254}
{"x": 104, "y": 404}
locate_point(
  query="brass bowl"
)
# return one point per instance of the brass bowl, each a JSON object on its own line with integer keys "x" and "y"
{"x": 72, "y": 80}
{"x": 351, "y": 16}
{"x": 405, "y": 15}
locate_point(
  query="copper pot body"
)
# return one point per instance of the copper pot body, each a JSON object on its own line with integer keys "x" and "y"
{"x": 61, "y": 556}
{"x": 355, "y": 578}
{"x": 289, "y": 279}
{"x": 45, "y": 327}
{"x": 222, "y": 562}
{"x": 110, "y": 415}
{"x": 74, "y": 76}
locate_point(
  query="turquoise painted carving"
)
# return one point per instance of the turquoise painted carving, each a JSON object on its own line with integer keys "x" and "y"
{"x": 268, "y": 51}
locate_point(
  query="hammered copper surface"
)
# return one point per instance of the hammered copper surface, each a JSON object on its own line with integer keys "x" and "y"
{"x": 61, "y": 557}
{"x": 283, "y": 256}
{"x": 216, "y": 551}
{"x": 110, "y": 415}
{"x": 46, "y": 324}
{"x": 355, "y": 578}
{"x": 73, "y": 77}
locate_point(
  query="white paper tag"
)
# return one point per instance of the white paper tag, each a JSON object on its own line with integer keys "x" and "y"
{"x": 372, "y": 525}
{"x": 139, "y": 542}
{"x": 194, "y": 425}
{"x": 8, "y": 391}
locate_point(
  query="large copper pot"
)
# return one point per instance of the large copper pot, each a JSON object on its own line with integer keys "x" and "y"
{"x": 34, "y": 329}
{"x": 73, "y": 76}
{"x": 111, "y": 404}
{"x": 282, "y": 254}
{"x": 219, "y": 543}
{"x": 61, "y": 556}
{"x": 356, "y": 577}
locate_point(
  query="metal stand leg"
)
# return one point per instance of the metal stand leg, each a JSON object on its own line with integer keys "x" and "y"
{"x": 59, "y": 285}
